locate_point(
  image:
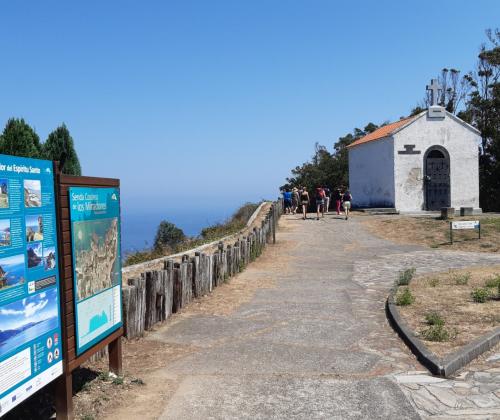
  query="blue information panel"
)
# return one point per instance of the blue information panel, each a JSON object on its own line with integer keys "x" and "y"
{"x": 30, "y": 322}
{"x": 97, "y": 273}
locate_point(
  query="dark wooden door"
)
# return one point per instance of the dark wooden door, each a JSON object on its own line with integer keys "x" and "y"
{"x": 437, "y": 186}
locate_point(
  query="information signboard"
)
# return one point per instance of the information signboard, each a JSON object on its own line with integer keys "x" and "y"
{"x": 95, "y": 238}
{"x": 30, "y": 321}
{"x": 465, "y": 224}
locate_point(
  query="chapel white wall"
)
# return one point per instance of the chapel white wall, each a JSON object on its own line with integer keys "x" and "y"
{"x": 371, "y": 174}
{"x": 462, "y": 146}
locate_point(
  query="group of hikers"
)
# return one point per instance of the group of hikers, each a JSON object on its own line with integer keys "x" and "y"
{"x": 299, "y": 197}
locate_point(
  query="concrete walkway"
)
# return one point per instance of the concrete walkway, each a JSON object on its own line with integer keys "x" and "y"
{"x": 317, "y": 344}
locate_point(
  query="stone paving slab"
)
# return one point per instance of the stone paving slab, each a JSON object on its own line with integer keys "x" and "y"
{"x": 279, "y": 397}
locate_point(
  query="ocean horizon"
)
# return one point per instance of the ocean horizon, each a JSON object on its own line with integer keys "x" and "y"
{"x": 139, "y": 229}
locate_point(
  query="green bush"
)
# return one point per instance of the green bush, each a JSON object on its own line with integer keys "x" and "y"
{"x": 433, "y": 318}
{"x": 480, "y": 295}
{"x": 436, "y": 332}
{"x": 405, "y": 297}
{"x": 168, "y": 236}
{"x": 462, "y": 279}
{"x": 433, "y": 282}
{"x": 406, "y": 276}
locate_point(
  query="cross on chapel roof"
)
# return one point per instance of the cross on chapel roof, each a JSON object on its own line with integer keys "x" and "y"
{"x": 434, "y": 87}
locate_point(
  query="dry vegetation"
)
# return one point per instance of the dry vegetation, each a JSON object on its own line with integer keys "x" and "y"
{"x": 449, "y": 297}
{"x": 435, "y": 233}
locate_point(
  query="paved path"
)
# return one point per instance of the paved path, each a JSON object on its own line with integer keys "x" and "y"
{"x": 317, "y": 344}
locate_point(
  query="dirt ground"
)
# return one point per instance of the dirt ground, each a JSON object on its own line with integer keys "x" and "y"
{"x": 464, "y": 319}
{"x": 435, "y": 233}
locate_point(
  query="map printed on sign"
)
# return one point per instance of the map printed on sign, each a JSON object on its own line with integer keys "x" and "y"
{"x": 30, "y": 322}
{"x": 95, "y": 237}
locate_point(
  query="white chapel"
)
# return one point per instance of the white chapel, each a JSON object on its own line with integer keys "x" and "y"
{"x": 424, "y": 162}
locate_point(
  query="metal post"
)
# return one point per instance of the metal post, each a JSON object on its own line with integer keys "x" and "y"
{"x": 451, "y": 233}
{"x": 479, "y": 230}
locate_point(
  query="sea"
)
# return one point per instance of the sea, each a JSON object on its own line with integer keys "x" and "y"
{"x": 139, "y": 229}
{"x": 15, "y": 272}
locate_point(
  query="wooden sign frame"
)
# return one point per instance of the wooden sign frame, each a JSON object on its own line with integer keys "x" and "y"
{"x": 64, "y": 384}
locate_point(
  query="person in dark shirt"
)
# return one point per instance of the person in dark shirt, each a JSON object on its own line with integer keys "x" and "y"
{"x": 337, "y": 197}
{"x": 287, "y": 197}
{"x": 304, "y": 201}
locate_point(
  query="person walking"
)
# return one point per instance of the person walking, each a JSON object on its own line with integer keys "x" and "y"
{"x": 337, "y": 197}
{"x": 319, "y": 197}
{"x": 347, "y": 199}
{"x": 327, "y": 199}
{"x": 295, "y": 200}
{"x": 304, "y": 201}
{"x": 287, "y": 200}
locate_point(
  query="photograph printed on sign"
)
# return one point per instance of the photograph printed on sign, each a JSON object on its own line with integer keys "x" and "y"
{"x": 34, "y": 228}
{"x": 26, "y": 319}
{"x": 34, "y": 254}
{"x": 5, "y": 232}
{"x": 12, "y": 272}
{"x": 4, "y": 193}
{"x": 49, "y": 258}
{"x": 32, "y": 193}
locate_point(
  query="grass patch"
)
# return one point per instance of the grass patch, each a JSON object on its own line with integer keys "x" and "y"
{"x": 118, "y": 380}
{"x": 433, "y": 282}
{"x": 103, "y": 376}
{"x": 436, "y": 332}
{"x": 480, "y": 295}
{"x": 435, "y": 233}
{"x": 462, "y": 320}
{"x": 493, "y": 281}
{"x": 462, "y": 279}
{"x": 405, "y": 297}
{"x": 406, "y": 276}
{"x": 433, "y": 318}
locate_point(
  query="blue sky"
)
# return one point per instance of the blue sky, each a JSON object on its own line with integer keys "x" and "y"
{"x": 213, "y": 102}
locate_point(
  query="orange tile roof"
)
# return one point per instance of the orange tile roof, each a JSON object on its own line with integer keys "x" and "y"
{"x": 382, "y": 132}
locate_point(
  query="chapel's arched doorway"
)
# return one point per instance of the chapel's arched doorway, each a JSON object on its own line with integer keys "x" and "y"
{"x": 437, "y": 178}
